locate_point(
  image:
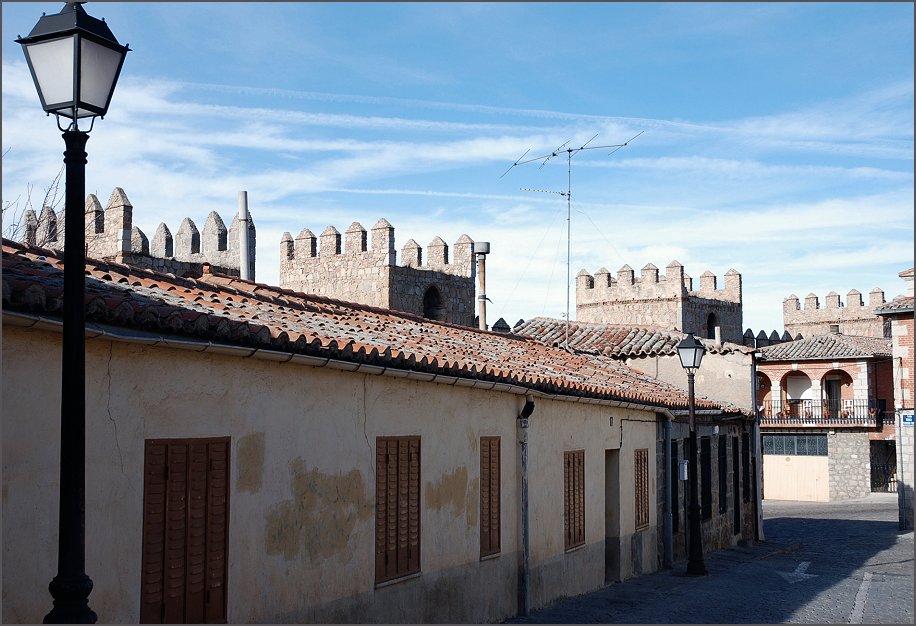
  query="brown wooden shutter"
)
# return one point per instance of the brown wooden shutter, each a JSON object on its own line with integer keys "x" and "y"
{"x": 403, "y": 487}
{"x": 641, "y": 475}
{"x": 381, "y": 509}
{"x": 152, "y": 573}
{"x": 413, "y": 559}
{"x": 185, "y": 531}
{"x": 397, "y": 508}
{"x": 580, "y": 496}
{"x": 484, "y": 496}
{"x": 176, "y": 533}
{"x": 495, "y": 496}
{"x": 217, "y": 531}
{"x": 489, "y": 496}
{"x": 574, "y": 497}
{"x": 567, "y": 499}
{"x": 197, "y": 533}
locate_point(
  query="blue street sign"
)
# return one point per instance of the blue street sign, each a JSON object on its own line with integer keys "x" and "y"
{"x": 907, "y": 419}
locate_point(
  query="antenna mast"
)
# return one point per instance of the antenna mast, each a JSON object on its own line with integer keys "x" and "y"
{"x": 568, "y": 193}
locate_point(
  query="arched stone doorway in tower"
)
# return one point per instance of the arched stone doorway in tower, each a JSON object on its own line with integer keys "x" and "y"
{"x": 433, "y": 306}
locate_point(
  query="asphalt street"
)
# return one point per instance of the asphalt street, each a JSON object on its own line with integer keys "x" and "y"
{"x": 821, "y": 563}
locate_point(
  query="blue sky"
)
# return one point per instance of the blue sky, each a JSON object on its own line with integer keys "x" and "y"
{"x": 777, "y": 138}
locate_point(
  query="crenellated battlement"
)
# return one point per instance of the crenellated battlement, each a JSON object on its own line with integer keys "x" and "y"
{"x": 354, "y": 245}
{"x": 668, "y": 300}
{"x": 111, "y": 235}
{"x": 853, "y": 317}
{"x": 761, "y": 340}
{"x": 361, "y": 266}
{"x": 674, "y": 283}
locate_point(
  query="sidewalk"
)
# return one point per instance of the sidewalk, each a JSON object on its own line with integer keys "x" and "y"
{"x": 821, "y": 563}
{"x": 659, "y": 589}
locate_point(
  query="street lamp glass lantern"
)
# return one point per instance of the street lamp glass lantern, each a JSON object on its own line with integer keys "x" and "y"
{"x": 691, "y": 352}
{"x": 75, "y": 61}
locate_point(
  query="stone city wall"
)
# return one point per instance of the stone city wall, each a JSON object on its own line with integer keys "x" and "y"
{"x": 667, "y": 301}
{"x": 854, "y": 318}
{"x": 718, "y": 532}
{"x": 358, "y": 268}
{"x": 111, "y": 235}
{"x": 848, "y": 455}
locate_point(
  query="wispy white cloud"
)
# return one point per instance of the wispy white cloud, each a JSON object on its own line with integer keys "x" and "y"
{"x": 799, "y": 197}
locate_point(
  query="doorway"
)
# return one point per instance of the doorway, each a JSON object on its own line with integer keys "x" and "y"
{"x": 883, "y": 459}
{"x": 612, "y": 516}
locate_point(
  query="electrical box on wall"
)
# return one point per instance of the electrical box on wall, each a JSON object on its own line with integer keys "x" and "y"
{"x": 682, "y": 470}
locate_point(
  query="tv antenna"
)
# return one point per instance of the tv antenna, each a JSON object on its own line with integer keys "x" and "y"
{"x": 568, "y": 194}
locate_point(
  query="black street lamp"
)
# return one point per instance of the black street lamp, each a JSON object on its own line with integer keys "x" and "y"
{"x": 75, "y": 61}
{"x": 691, "y": 352}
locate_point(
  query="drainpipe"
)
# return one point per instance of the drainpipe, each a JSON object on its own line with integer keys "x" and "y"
{"x": 481, "y": 250}
{"x": 669, "y": 525}
{"x": 244, "y": 264}
{"x": 525, "y": 574}
{"x": 755, "y": 450}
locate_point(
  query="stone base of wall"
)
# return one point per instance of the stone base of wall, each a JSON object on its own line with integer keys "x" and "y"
{"x": 848, "y": 465}
{"x": 718, "y": 532}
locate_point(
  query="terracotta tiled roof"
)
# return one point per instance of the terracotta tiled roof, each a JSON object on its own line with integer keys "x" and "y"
{"x": 831, "y": 346}
{"x": 614, "y": 340}
{"x": 900, "y": 304}
{"x": 230, "y": 311}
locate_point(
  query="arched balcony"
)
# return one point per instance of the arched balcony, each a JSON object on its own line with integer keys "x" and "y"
{"x": 828, "y": 400}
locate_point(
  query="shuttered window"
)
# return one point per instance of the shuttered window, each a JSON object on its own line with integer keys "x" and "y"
{"x": 574, "y": 498}
{"x": 641, "y": 474}
{"x": 489, "y": 496}
{"x": 185, "y": 531}
{"x": 397, "y": 507}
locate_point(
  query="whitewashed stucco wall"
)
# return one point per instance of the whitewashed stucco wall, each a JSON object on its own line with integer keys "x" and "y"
{"x": 302, "y": 485}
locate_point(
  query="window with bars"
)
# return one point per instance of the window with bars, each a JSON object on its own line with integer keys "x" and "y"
{"x": 574, "y": 498}
{"x": 722, "y": 447}
{"x": 746, "y": 466}
{"x": 489, "y": 496}
{"x": 675, "y": 481}
{"x": 641, "y": 473}
{"x": 795, "y": 445}
{"x": 706, "y": 478}
{"x": 736, "y": 494}
{"x": 397, "y": 507}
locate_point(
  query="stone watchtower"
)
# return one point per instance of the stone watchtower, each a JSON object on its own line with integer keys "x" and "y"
{"x": 364, "y": 270}
{"x": 111, "y": 236}
{"x": 667, "y": 301}
{"x": 853, "y": 318}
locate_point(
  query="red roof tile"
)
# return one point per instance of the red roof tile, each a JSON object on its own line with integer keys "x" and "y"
{"x": 829, "y": 346}
{"x": 900, "y": 304}
{"x": 232, "y": 311}
{"x": 615, "y": 340}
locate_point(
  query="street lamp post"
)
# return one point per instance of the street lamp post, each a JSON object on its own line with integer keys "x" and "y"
{"x": 691, "y": 352}
{"x": 75, "y": 61}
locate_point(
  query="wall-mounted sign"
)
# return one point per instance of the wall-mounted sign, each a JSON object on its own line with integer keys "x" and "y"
{"x": 907, "y": 419}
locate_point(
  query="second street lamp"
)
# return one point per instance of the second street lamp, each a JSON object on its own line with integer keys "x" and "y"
{"x": 691, "y": 352}
{"x": 75, "y": 61}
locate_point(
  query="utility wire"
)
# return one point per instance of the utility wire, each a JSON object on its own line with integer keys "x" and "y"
{"x": 568, "y": 193}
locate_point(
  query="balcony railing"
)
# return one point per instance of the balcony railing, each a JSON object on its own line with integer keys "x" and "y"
{"x": 839, "y": 413}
